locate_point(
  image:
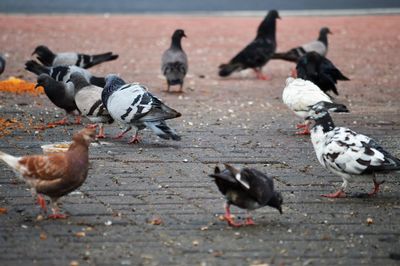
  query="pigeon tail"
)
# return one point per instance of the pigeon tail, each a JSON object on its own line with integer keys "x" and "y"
{"x": 100, "y": 58}
{"x": 227, "y": 69}
{"x": 44, "y": 55}
{"x": 98, "y": 81}
{"x": 162, "y": 130}
{"x": 9, "y": 160}
{"x": 35, "y": 67}
{"x": 291, "y": 56}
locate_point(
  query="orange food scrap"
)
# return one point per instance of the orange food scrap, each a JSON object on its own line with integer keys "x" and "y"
{"x": 7, "y": 126}
{"x": 20, "y": 86}
{"x": 3, "y": 210}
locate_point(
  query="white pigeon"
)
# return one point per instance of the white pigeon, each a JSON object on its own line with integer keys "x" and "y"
{"x": 131, "y": 105}
{"x": 299, "y": 95}
{"x": 89, "y": 103}
{"x": 346, "y": 153}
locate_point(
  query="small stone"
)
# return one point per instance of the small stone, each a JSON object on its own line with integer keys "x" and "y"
{"x": 108, "y": 223}
{"x": 195, "y": 243}
{"x": 80, "y": 234}
{"x": 74, "y": 263}
{"x": 43, "y": 236}
{"x": 370, "y": 221}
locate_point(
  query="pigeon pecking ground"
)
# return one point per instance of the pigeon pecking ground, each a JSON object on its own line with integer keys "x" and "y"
{"x": 153, "y": 204}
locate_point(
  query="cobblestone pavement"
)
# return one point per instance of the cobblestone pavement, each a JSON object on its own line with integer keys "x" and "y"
{"x": 238, "y": 120}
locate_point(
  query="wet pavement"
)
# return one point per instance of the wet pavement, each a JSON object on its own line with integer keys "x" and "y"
{"x": 240, "y": 120}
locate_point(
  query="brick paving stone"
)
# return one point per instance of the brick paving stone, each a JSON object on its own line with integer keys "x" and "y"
{"x": 237, "y": 120}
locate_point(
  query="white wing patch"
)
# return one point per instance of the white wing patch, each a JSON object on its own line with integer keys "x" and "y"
{"x": 238, "y": 177}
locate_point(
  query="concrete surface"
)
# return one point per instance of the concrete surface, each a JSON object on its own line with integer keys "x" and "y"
{"x": 238, "y": 120}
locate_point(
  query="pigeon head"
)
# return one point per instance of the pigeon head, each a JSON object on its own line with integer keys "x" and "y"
{"x": 176, "y": 39}
{"x": 113, "y": 80}
{"x": 179, "y": 33}
{"x": 321, "y": 109}
{"x": 268, "y": 25}
{"x": 276, "y": 201}
{"x": 85, "y": 136}
{"x": 43, "y": 80}
{"x": 325, "y": 31}
{"x": 79, "y": 80}
{"x": 273, "y": 14}
{"x": 42, "y": 50}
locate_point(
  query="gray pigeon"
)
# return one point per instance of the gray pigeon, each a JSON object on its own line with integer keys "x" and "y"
{"x": 174, "y": 63}
{"x": 2, "y": 64}
{"x": 131, "y": 105}
{"x": 320, "y": 46}
{"x": 62, "y": 73}
{"x": 89, "y": 103}
{"x": 50, "y": 59}
{"x": 246, "y": 188}
{"x": 60, "y": 94}
{"x": 345, "y": 152}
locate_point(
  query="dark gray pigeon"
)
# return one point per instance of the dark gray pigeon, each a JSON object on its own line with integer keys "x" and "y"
{"x": 63, "y": 73}
{"x": 174, "y": 63}
{"x": 131, "y": 105}
{"x": 89, "y": 103}
{"x": 51, "y": 59}
{"x": 320, "y": 46}
{"x": 345, "y": 152}
{"x": 2, "y": 64}
{"x": 61, "y": 94}
{"x": 246, "y": 188}
{"x": 256, "y": 54}
{"x": 319, "y": 70}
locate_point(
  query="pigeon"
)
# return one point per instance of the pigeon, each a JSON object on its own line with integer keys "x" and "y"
{"x": 256, "y": 54}
{"x": 62, "y": 73}
{"x": 131, "y": 105}
{"x": 89, "y": 103}
{"x": 61, "y": 95}
{"x": 320, "y": 70}
{"x": 246, "y": 188}
{"x": 299, "y": 95}
{"x": 319, "y": 46}
{"x": 50, "y": 59}
{"x": 174, "y": 63}
{"x": 2, "y": 64}
{"x": 54, "y": 175}
{"x": 347, "y": 153}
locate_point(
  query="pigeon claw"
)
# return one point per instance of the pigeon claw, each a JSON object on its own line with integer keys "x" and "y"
{"x": 306, "y": 131}
{"x": 57, "y": 216}
{"x": 337, "y": 194}
{"x": 135, "y": 140}
{"x": 249, "y": 221}
{"x": 301, "y": 126}
{"x": 231, "y": 221}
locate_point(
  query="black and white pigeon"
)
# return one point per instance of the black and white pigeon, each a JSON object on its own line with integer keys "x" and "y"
{"x": 320, "y": 70}
{"x": 257, "y": 53}
{"x": 300, "y": 95}
{"x": 319, "y": 46}
{"x": 2, "y": 64}
{"x": 347, "y": 153}
{"x": 247, "y": 189}
{"x": 89, "y": 103}
{"x": 51, "y": 59}
{"x": 63, "y": 73}
{"x": 174, "y": 63}
{"x": 61, "y": 94}
{"x": 131, "y": 105}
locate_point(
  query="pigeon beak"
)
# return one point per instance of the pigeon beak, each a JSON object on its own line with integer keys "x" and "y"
{"x": 37, "y": 85}
{"x": 307, "y": 118}
{"x": 280, "y": 210}
{"x": 279, "y": 17}
{"x": 184, "y": 35}
{"x": 329, "y": 31}
{"x": 34, "y": 52}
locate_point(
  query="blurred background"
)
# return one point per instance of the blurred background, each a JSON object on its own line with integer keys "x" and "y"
{"x": 171, "y": 6}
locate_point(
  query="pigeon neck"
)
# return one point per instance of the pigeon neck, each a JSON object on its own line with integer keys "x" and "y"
{"x": 325, "y": 122}
{"x": 109, "y": 88}
{"x": 323, "y": 37}
{"x": 176, "y": 42}
{"x": 79, "y": 83}
{"x": 267, "y": 28}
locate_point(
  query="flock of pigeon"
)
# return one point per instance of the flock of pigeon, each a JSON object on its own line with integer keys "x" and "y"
{"x": 71, "y": 87}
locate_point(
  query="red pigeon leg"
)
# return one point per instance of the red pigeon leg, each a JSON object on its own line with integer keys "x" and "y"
{"x": 122, "y": 133}
{"x": 61, "y": 122}
{"x": 376, "y": 187}
{"x": 78, "y": 120}
{"x": 228, "y": 217}
{"x": 249, "y": 220}
{"x": 101, "y": 134}
{"x": 260, "y": 75}
{"x": 41, "y": 202}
